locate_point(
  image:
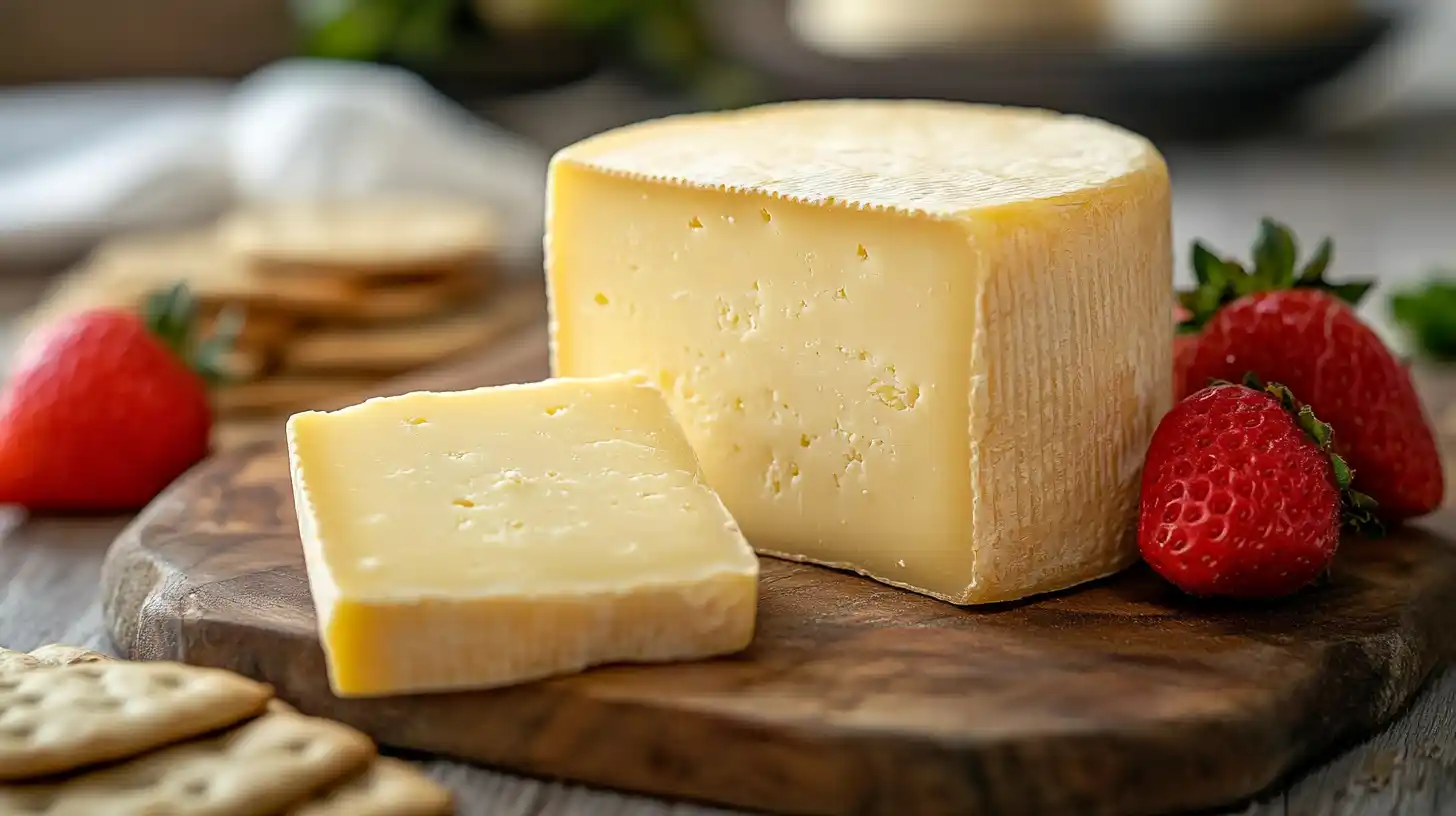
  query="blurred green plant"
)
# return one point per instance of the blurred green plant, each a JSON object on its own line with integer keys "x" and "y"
{"x": 377, "y": 29}
{"x": 662, "y": 37}
{"x": 1427, "y": 314}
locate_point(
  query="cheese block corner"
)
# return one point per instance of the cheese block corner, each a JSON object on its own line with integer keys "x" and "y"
{"x": 482, "y": 538}
{"x": 925, "y": 341}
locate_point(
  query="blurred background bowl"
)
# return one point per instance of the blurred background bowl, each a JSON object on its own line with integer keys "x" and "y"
{"x": 1216, "y": 89}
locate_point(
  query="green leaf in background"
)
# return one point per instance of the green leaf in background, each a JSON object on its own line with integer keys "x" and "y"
{"x": 427, "y": 29}
{"x": 1428, "y": 315}
{"x": 594, "y": 15}
{"x": 354, "y": 30}
{"x": 663, "y": 37}
{"x": 374, "y": 29}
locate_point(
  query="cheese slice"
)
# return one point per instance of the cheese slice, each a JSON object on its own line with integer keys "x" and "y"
{"x": 488, "y": 537}
{"x": 925, "y": 341}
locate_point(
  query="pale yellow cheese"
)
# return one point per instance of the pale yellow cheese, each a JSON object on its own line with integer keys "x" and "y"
{"x": 925, "y": 341}
{"x": 481, "y": 538}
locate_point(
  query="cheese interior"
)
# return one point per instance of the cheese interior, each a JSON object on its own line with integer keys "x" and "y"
{"x": 925, "y": 341}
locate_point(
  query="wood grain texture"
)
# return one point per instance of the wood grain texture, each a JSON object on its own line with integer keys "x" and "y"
{"x": 1123, "y": 697}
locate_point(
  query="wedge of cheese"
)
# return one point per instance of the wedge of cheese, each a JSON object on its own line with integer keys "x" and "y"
{"x": 488, "y": 537}
{"x": 925, "y": 341}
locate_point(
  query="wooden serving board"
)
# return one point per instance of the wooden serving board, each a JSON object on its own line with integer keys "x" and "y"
{"x": 1119, "y": 697}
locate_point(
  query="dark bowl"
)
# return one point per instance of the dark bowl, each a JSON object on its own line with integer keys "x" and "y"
{"x": 1189, "y": 94}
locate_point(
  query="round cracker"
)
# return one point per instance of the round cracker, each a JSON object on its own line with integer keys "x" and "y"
{"x": 360, "y": 237}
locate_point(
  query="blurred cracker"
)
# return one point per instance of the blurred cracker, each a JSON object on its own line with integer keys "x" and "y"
{"x": 361, "y": 237}
{"x": 231, "y": 433}
{"x": 261, "y": 331}
{"x": 393, "y": 349}
{"x": 269, "y": 765}
{"x": 82, "y": 289}
{"x": 216, "y": 275}
{"x": 285, "y": 394}
{"x": 243, "y": 364}
{"x": 431, "y": 297}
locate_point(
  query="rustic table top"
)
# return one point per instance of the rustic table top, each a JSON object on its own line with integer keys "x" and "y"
{"x": 1385, "y": 197}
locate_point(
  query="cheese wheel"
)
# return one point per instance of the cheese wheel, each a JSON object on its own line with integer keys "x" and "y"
{"x": 924, "y": 341}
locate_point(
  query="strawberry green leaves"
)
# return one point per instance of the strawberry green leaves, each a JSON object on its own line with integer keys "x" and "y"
{"x": 1357, "y": 509}
{"x": 1275, "y": 267}
{"x": 171, "y": 315}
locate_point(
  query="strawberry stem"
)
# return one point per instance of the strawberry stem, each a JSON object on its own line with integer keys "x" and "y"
{"x": 1357, "y": 510}
{"x": 1275, "y": 255}
{"x": 171, "y": 315}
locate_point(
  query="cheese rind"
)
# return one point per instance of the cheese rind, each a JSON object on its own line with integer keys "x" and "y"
{"x": 928, "y": 342}
{"x": 488, "y": 537}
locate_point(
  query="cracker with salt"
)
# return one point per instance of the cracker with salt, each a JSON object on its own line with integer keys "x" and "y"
{"x": 265, "y": 766}
{"x": 56, "y": 654}
{"x": 13, "y": 661}
{"x": 401, "y": 348}
{"x": 59, "y": 718}
{"x": 360, "y": 238}
{"x": 388, "y": 787}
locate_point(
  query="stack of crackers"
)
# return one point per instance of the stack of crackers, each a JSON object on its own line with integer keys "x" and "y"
{"x": 335, "y": 297}
{"x": 83, "y": 734}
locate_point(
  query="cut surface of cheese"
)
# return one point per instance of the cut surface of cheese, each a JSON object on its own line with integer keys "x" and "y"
{"x": 925, "y": 341}
{"x": 482, "y": 538}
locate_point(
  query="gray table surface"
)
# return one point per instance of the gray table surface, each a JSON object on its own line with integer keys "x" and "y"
{"x": 1390, "y": 199}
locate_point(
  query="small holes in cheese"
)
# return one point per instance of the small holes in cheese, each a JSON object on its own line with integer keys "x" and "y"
{"x": 695, "y": 223}
{"x": 463, "y": 503}
{"x": 864, "y": 254}
{"x": 416, "y": 421}
{"x": 764, "y": 214}
{"x": 556, "y": 409}
{"x": 601, "y": 299}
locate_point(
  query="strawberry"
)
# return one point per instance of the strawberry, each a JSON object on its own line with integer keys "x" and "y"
{"x": 1275, "y": 252}
{"x": 105, "y": 408}
{"x": 1184, "y": 344}
{"x": 1242, "y": 495}
{"x": 1221, "y": 282}
{"x": 1309, "y": 338}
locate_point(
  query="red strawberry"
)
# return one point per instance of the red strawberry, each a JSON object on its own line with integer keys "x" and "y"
{"x": 1184, "y": 347}
{"x": 1241, "y": 496}
{"x": 102, "y": 410}
{"x": 1221, "y": 282}
{"x": 1309, "y": 339}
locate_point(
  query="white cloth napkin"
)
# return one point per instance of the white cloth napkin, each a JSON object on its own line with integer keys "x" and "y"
{"x": 80, "y": 162}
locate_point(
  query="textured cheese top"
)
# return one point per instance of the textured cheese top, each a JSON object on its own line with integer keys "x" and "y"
{"x": 935, "y": 158}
